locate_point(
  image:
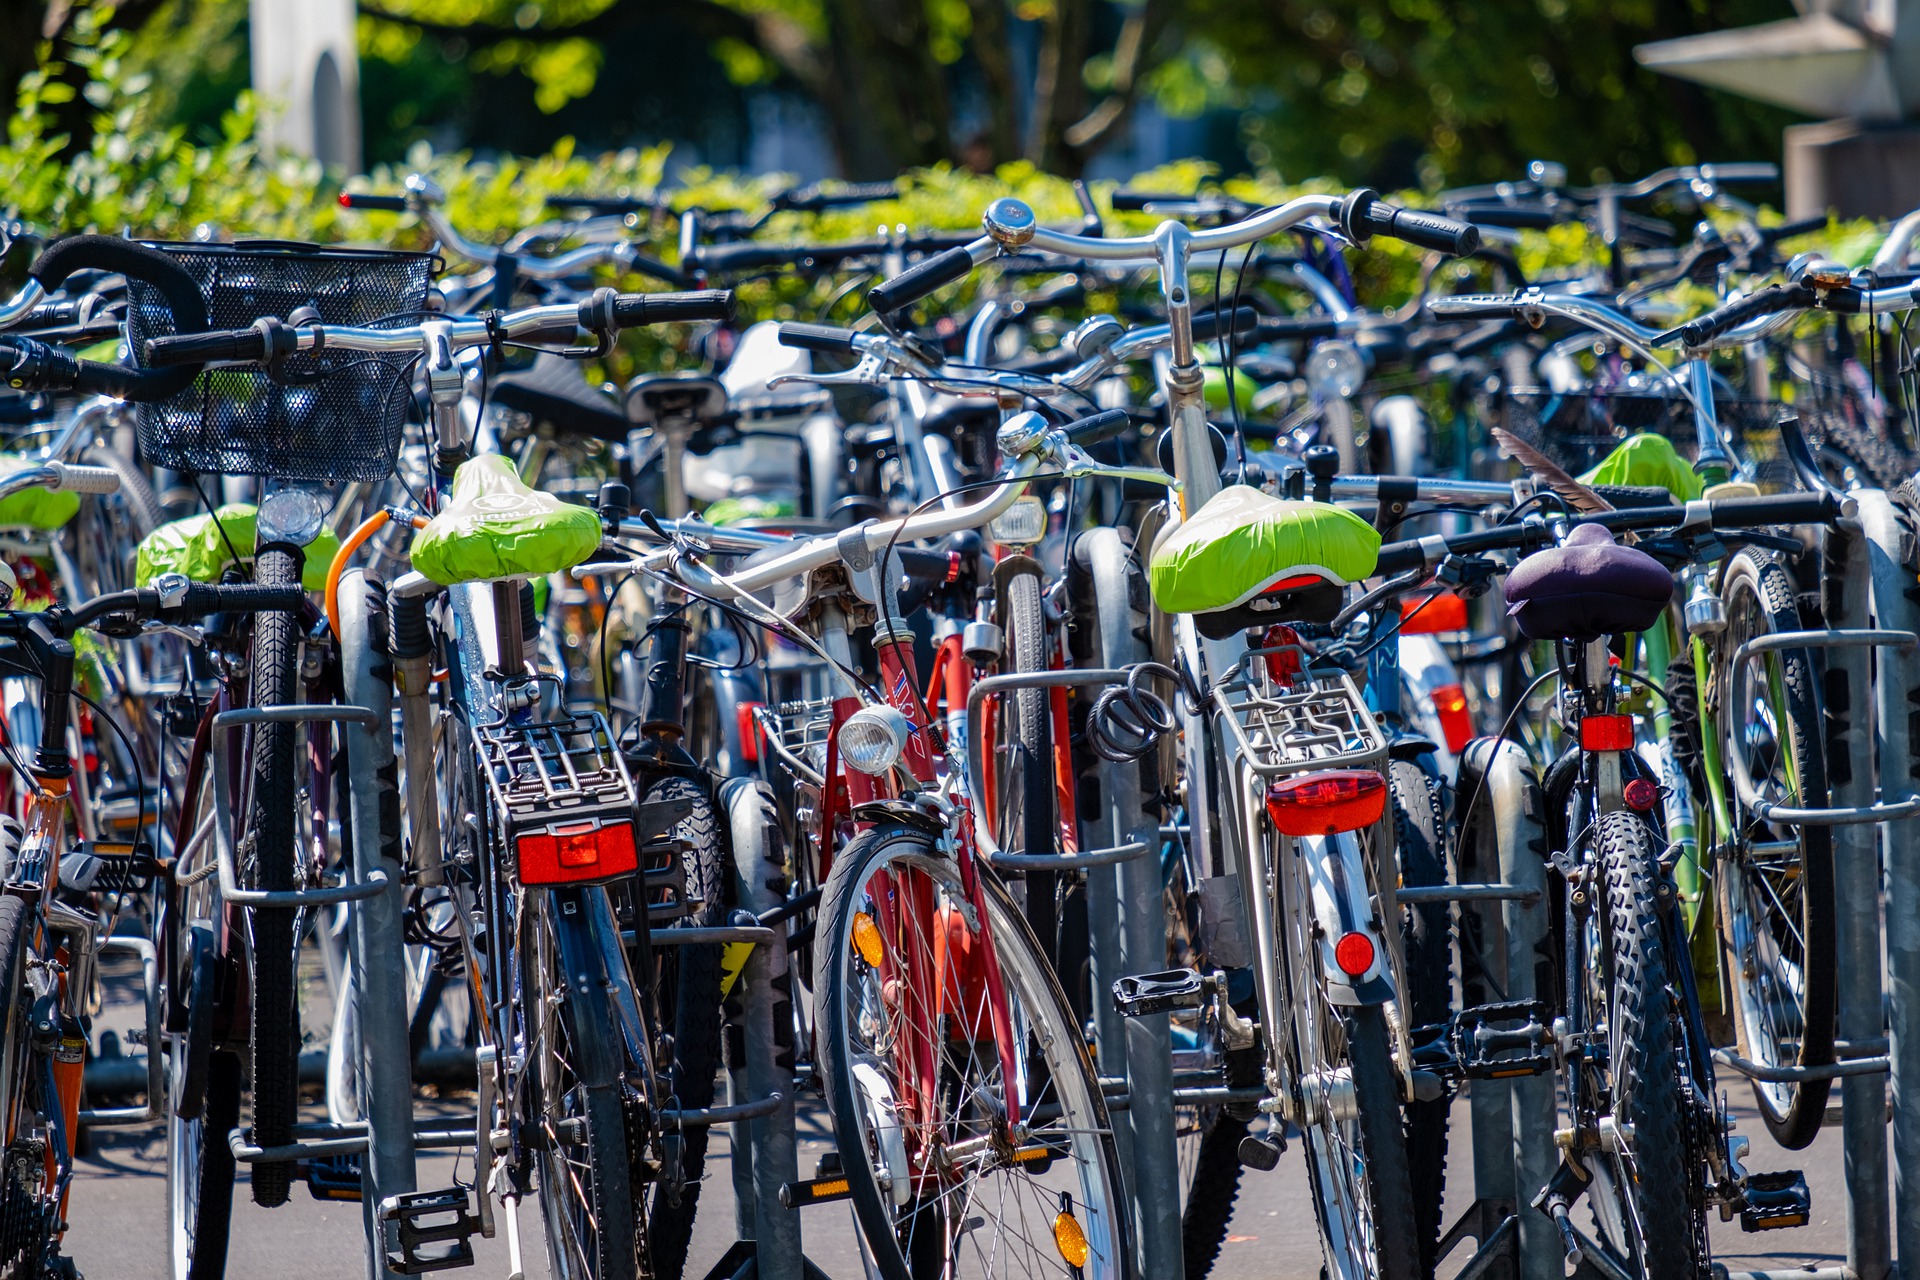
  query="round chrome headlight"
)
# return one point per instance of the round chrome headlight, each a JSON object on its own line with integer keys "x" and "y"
{"x": 1335, "y": 369}
{"x": 873, "y": 738}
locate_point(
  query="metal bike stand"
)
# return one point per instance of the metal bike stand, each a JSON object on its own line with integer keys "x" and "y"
{"x": 378, "y": 949}
{"x": 1512, "y": 1120}
{"x": 1133, "y": 939}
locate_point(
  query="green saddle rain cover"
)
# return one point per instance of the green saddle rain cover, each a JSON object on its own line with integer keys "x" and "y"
{"x": 1648, "y": 460}
{"x": 494, "y": 526}
{"x": 195, "y": 546}
{"x": 34, "y": 508}
{"x": 1243, "y": 541}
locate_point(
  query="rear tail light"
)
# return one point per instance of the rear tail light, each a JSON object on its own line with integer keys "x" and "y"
{"x": 1282, "y": 668}
{"x": 748, "y": 724}
{"x": 1354, "y": 954}
{"x": 1606, "y": 733}
{"x": 1321, "y": 804}
{"x": 1442, "y": 611}
{"x": 578, "y": 853}
{"x": 1641, "y": 795}
{"x": 1456, "y": 722}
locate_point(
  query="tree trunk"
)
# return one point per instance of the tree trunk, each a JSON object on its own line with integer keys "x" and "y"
{"x": 895, "y": 113}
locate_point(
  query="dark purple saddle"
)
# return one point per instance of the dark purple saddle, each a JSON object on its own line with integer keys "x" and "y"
{"x": 1588, "y": 586}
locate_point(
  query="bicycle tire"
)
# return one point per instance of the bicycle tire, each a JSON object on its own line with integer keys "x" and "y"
{"x": 1876, "y": 462}
{"x": 1027, "y": 795}
{"x": 898, "y": 1240}
{"x": 582, "y": 1074}
{"x": 1427, "y": 942}
{"x": 200, "y": 1175}
{"x": 26, "y": 1218}
{"x": 692, "y": 975}
{"x": 1379, "y": 1129}
{"x": 1211, "y": 1192}
{"x": 268, "y": 861}
{"x": 1758, "y": 590}
{"x": 1663, "y": 1218}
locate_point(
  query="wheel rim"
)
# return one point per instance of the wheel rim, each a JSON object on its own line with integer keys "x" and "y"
{"x": 981, "y": 1199}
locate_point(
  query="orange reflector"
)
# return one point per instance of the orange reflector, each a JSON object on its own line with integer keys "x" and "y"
{"x": 1606, "y": 733}
{"x": 1354, "y": 954}
{"x": 1070, "y": 1239}
{"x": 1319, "y": 804}
{"x": 578, "y": 853}
{"x": 866, "y": 939}
{"x": 1456, "y": 722}
{"x": 1641, "y": 795}
{"x": 1281, "y": 667}
{"x": 1441, "y": 611}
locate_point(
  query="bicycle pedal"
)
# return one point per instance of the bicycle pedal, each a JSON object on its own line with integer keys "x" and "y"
{"x": 426, "y": 1231}
{"x": 811, "y": 1191}
{"x": 1260, "y": 1153}
{"x": 1484, "y": 1049}
{"x": 1775, "y": 1201}
{"x": 1142, "y": 994}
{"x": 335, "y": 1177}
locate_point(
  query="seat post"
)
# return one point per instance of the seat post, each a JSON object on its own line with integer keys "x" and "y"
{"x": 506, "y": 628}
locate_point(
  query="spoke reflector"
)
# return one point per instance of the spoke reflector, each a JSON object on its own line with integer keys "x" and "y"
{"x": 866, "y": 939}
{"x": 1070, "y": 1239}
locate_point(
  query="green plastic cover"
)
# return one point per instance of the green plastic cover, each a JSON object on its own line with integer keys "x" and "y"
{"x": 196, "y": 547}
{"x": 734, "y": 510}
{"x": 496, "y": 527}
{"x": 1243, "y": 541}
{"x": 1214, "y": 385}
{"x": 1649, "y": 460}
{"x": 34, "y": 508}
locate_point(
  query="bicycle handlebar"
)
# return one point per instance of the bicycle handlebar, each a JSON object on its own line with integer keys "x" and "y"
{"x": 1363, "y": 214}
{"x": 921, "y": 279}
{"x": 377, "y": 203}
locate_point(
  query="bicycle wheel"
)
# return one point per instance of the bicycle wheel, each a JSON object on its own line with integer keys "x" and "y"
{"x": 1646, "y": 1194}
{"x": 268, "y": 861}
{"x": 1776, "y": 881}
{"x": 921, "y": 1088}
{"x": 1026, "y": 790}
{"x": 200, "y": 1169}
{"x": 26, "y": 1208}
{"x": 1209, "y": 1139}
{"x": 1426, "y": 938}
{"x": 687, "y": 992}
{"x": 586, "y": 1189}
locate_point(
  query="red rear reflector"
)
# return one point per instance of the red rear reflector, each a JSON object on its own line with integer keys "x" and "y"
{"x": 1354, "y": 954}
{"x": 1606, "y": 733}
{"x": 1641, "y": 795}
{"x": 749, "y": 727}
{"x": 1456, "y": 722}
{"x": 1442, "y": 611}
{"x": 346, "y": 201}
{"x": 578, "y": 853}
{"x": 1320, "y": 804}
{"x": 1281, "y": 667}
{"x": 1294, "y": 583}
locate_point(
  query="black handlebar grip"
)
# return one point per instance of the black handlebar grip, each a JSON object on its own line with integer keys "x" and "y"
{"x": 1775, "y": 508}
{"x": 199, "y": 348}
{"x": 1285, "y": 328}
{"x": 1098, "y": 427}
{"x": 1137, "y": 201}
{"x": 1773, "y": 298}
{"x": 1788, "y": 230}
{"x": 816, "y": 337}
{"x": 247, "y": 597}
{"x": 1631, "y": 496}
{"x": 606, "y": 204}
{"x": 367, "y": 200}
{"x": 921, "y": 279}
{"x": 185, "y": 303}
{"x": 812, "y": 199}
{"x": 634, "y": 309}
{"x": 1498, "y": 213}
{"x": 1363, "y": 215}
{"x": 746, "y": 256}
{"x": 1209, "y": 325}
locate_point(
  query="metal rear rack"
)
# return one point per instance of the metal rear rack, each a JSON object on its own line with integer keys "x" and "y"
{"x": 1314, "y": 720}
{"x": 554, "y": 771}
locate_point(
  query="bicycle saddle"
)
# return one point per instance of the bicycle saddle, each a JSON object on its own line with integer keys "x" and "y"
{"x": 655, "y": 397}
{"x": 494, "y": 526}
{"x": 1587, "y": 587}
{"x": 1245, "y": 559}
{"x": 555, "y": 391}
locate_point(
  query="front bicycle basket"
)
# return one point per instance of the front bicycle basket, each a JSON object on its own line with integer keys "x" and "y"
{"x": 563, "y": 798}
{"x": 1579, "y": 429}
{"x": 332, "y": 417}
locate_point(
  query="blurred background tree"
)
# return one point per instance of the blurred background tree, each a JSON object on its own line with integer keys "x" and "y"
{"x": 1395, "y": 93}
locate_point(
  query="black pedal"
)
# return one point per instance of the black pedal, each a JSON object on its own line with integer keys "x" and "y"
{"x": 1260, "y": 1153}
{"x": 1775, "y": 1201}
{"x": 335, "y": 1177}
{"x": 428, "y": 1231}
{"x": 1502, "y": 1041}
{"x": 1145, "y": 993}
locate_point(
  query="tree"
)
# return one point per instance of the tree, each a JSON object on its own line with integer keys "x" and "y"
{"x": 50, "y": 33}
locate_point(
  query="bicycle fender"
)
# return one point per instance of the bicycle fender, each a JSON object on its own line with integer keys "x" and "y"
{"x": 1343, "y": 903}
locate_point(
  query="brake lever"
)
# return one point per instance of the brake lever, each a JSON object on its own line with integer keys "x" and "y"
{"x": 1076, "y": 463}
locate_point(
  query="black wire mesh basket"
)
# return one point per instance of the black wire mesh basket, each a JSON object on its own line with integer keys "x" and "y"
{"x": 1578, "y": 429}
{"x": 337, "y": 416}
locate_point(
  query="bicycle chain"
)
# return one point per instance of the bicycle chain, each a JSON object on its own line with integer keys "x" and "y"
{"x": 26, "y": 1224}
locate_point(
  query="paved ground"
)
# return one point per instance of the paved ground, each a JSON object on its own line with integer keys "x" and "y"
{"x": 120, "y": 1200}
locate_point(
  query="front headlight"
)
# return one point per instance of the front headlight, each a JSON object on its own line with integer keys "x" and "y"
{"x": 873, "y": 738}
{"x": 1335, "y": 369}
{"x": 1020, "y": 525}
